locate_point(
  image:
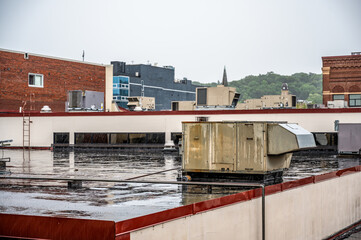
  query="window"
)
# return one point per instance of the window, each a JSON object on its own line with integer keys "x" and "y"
{"x": 137, "y": 138}
{"x": 201, "y": 96}
{"x": 62, "y": 138}
{"x": 338, "y": 97}
{"x": 355, "y": 100}
{"x": 202, "y": 119}
{"x": 36, "y": 80}
{"x": 156, "y": 138}
{"x": 119, "y": 138}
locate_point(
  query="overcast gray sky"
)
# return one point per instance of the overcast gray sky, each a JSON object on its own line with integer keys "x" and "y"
{"x": 197, "y": 37}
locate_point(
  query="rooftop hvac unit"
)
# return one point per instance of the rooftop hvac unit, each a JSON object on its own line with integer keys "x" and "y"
{"x": 240, "y": 151}
{"x": 75, "y": 99}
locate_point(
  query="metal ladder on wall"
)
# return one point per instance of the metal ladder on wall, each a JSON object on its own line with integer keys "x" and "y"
{"x": 27, "y": 120}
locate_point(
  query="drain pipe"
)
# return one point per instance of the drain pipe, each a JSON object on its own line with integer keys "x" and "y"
{"x": 234, "y": 184}
{"x": 263, "y": 212}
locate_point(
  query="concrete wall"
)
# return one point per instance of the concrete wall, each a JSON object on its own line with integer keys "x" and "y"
{"x": 44, "y": 125}
{"x": 313, "y": 211}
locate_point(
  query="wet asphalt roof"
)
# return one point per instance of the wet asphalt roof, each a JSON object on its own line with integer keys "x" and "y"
{"x": 116, "y": 201}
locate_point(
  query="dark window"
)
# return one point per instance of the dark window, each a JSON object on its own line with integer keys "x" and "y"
{"x": 137, "y": 138}
{"x": 338, "y": 97}
{"x": 156, "y": 138}
{"x": 119, "y": 138}
{"x": 293, "y": 101}
{"x": 61, "y": 138}
{"x": 31, "y": 80}
{"x": 355, "y": 100}
{"x": 202, "y": 119}
{"x": 83, "y": 138}
{"x": 100, "y": 138}
{"x": 36, "y": 80}
{"x": 201, "y": 96}
{"x": 175, "y": 106}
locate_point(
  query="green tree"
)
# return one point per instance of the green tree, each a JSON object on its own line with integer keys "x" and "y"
{"x": 315, "y": 98}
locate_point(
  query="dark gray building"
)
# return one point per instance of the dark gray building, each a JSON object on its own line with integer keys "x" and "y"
{"x": 150, "y": 81}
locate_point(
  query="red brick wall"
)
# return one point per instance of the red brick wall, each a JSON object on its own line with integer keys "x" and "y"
{"x": 60, "y": 76}
{"x": 344, "y": 76}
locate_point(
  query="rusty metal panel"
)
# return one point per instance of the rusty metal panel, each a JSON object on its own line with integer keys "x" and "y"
{"x": 223, "y": 146}
{"x": 196, "y": 142}
{"x": 250, "y": 146}
{"x": 274, "y": 162}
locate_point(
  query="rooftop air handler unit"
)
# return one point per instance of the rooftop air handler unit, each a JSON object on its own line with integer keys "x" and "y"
{"x": 240, "y": 151}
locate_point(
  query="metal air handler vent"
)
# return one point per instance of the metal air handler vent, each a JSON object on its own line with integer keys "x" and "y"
{"x": 240, "y": 151}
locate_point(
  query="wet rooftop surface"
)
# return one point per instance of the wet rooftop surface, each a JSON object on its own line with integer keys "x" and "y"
{"x": 116, "y": 201}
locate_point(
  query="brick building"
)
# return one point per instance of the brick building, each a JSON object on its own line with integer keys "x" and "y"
{"x": 342, "y": 79}
{"x": 42, "y": 80}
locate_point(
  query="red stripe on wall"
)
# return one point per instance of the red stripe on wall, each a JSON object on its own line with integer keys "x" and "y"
{"x": 195, "y": 112}
{"x": 55, "y": 227}
{"x": 222, "y": 201}
{"x": 151, "y": 219}
{"x": 297, "y": 183}
{"x": 125, "y": 236}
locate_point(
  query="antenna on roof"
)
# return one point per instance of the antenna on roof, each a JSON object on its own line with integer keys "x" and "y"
{"x": 83, "y": 55}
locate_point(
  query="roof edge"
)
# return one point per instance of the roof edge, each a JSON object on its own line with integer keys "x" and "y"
{"x": 52, "y": 57}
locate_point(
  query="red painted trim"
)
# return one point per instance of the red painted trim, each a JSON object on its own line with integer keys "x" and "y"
{"x": 152, "y": 219}
{"x": 197, "y": 113}
{"x": 346, "y": 171}
{"x": 344, "y": 231}
{"x": 12, "y": 237}
{"x": 325, "y": 176}
{"x": 222, "y": 201}
{"x": 55, "y": 227}
{"x": 297, "y": 183}
{"x": 273, "y": 189}
{"x": 125, "y": 236}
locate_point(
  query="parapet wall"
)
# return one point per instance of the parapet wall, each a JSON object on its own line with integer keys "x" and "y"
{"x": 311, "y": 208}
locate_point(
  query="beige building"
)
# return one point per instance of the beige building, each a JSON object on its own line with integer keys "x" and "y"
{"x": 141, "y": 103}
{"x": 217, "y": 98}
{"x": 285, "y": 100}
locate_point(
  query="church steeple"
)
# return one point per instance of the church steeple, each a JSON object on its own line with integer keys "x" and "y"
{"x": 224, "y": 80}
